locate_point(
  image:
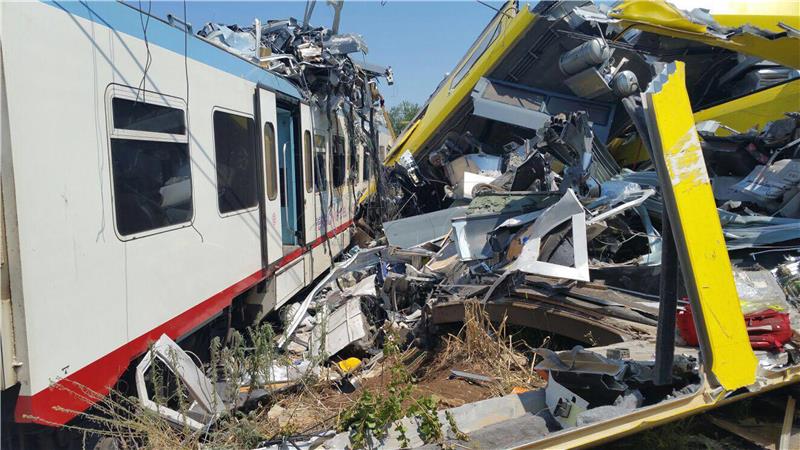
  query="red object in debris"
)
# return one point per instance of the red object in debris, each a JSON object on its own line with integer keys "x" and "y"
{"x": 685, "y": 324}
{"x": 768, "y": 329}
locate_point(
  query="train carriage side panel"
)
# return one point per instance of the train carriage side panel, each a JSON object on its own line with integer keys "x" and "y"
{"x": 93, "y": 295}
{"x": 70, "y": 261}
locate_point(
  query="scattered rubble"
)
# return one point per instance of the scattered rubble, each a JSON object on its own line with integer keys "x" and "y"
{"x": 524, "y": 211}
{"x": 316, "y": 59}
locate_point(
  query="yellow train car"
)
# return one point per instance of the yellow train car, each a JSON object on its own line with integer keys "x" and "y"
{"x": 692, "y": 68}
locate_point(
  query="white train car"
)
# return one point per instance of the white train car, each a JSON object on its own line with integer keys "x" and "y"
{"x": 148, "y": 179}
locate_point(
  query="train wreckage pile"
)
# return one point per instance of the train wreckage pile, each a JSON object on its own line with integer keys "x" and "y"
{"x": 316, "y": 59}
{"x": 530, "y": 203}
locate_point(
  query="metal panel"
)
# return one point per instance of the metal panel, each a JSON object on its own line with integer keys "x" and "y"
{"x": 510, "y": 105}
{"x": 273, "y": 207}
{"x": 341, "y": 327}
{"x": 701, "y": 246}
{"x": 568, "y": 208}
{"x": 416, "y": 230}
{"x": 290, "y": 280}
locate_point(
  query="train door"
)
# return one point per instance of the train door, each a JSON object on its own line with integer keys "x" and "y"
{"x": 309, "y": 206}
{"x": 272, "y": 223}
{"x": 290, "y": 164}
{"x": 290, "y": 276}
{"x": 322, "y": 200}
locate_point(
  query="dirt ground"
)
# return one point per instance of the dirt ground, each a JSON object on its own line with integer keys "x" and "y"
{"x": 316, "y": 408}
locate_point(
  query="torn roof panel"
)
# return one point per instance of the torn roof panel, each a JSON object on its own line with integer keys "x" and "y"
{"x": 758, "y": 35}
{"x": 763, "y": 14}
{"x": 526, "y": 51}
{"x": 510, "y": 25}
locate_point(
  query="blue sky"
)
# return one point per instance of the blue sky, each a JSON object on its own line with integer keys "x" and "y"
{"x": 422, "y": 41}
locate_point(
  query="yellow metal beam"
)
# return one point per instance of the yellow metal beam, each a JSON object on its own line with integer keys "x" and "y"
{"x": 741, "y": 114}
{"x": 705, "y": 399}
{"x": 703, "y": 255}
{"x": 756, "y": 109}
{"x": 513, "y": 24}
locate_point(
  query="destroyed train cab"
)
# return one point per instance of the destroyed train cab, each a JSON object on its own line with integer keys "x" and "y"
{"x": 626, "y": 176}
{"x": 159, "y": 182}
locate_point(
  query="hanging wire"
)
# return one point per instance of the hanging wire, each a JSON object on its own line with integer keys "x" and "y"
{"x": 145, "y": 23}
{"x": 493, "y": 8}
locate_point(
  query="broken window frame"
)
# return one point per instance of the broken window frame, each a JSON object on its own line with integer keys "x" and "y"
{"x": 338, "y": 161}
{"x": 320, "y": 163}
{"x": 203, "y": 397}
{"x": 488, "y": 37}
{"x": 308, "y": 155}
{"x": 116, "y": 135}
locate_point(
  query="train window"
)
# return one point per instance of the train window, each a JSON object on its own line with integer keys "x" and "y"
{"x": 236, "y": 161}
{"x": 354, "y": 162}
{"x": 484, "y": 42}
{"x": 307, "y": 159}
{"x": 367, "y": 163}
{"x": 320, "y": 167}
{"x": 141, "y": 116}
{"x": 152, "y": 184}
{"x": 269, "y": 161}
{"x": 150, "y": 163}
{"x": 337, "y": 162}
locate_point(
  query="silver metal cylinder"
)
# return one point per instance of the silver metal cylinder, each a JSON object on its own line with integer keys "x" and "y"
{"x": 625, "y": 83}
{"x": 588, "y": 54}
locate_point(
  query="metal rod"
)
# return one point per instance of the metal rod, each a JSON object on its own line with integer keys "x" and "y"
{"x": 173, "y": 19}
{"x": 668, "y": 306}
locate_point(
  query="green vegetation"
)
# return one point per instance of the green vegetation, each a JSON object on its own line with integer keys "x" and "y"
{"x": 372, "y": 415}
{"x": 402, "y": 114}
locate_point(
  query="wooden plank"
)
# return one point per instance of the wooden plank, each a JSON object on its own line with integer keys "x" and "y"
{"x": 788, "y": 420}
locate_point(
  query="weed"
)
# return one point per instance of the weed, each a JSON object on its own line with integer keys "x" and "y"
{"x": 454, "y": 427}
{"x": 372, "y": 415}
{"x": 259, "y": 362}
{"x": 429, "y": 428}
{"x": 487, "y": 349}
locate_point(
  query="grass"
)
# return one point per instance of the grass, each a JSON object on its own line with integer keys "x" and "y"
{"x": 313, "y": 404}
{"x": 488, "y": 350}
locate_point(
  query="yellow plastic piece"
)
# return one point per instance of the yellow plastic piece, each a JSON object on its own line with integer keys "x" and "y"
{"x": 350, "y": 364}
{"x": 660, "y": 17}
{"x": 698, "y": 233}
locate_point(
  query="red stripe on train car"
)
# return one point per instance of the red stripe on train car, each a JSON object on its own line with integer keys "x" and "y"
{"x": 67, "y": 397}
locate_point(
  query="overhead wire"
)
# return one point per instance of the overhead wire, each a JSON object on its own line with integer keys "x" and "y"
{"x": 149, "y": 58}
{"x": 186, "y": 75}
